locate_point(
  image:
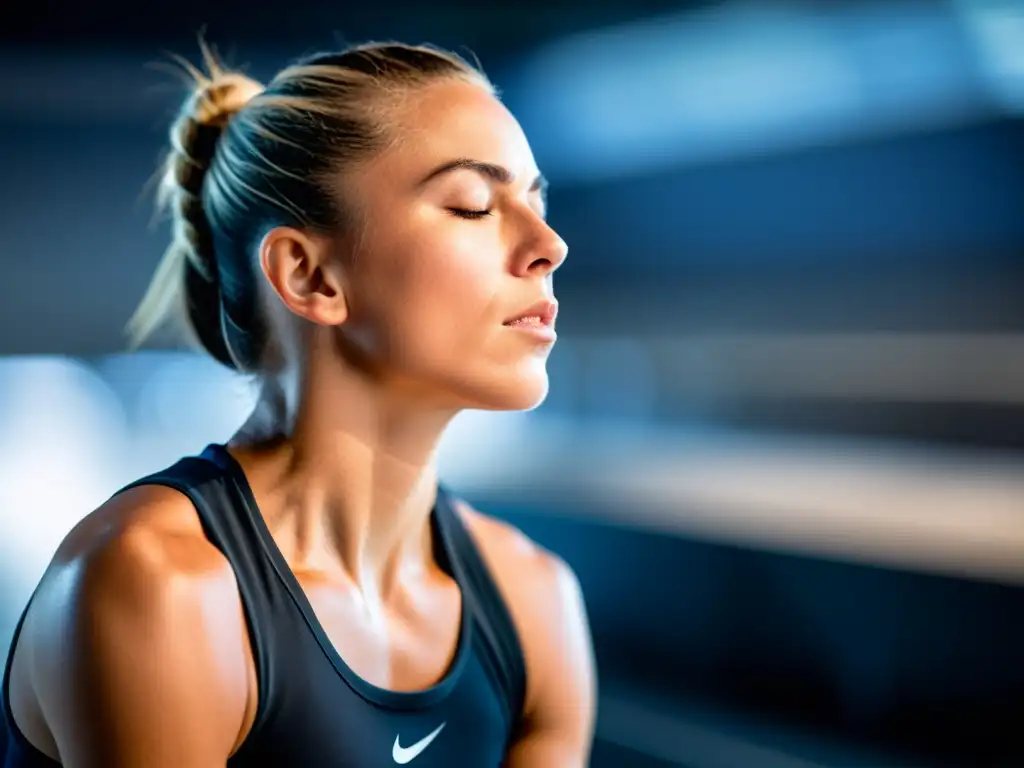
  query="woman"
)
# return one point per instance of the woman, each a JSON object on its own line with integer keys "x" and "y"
{"x": 366, "y": 235}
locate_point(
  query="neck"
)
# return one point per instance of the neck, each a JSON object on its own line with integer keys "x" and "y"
{"x": 354, "y": 467}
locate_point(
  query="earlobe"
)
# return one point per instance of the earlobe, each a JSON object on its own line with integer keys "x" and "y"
{"x": 303, "y": 274}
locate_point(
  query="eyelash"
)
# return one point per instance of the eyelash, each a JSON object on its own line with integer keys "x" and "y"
{"x": 462, "y": 213}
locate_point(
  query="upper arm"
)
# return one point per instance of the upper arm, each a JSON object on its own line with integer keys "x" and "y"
{"x": 561, "y": 710}
{"x": 134, "y": 657}
{"x": 547, "y": 605}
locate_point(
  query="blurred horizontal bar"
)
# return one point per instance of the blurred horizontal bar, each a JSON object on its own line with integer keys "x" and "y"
{"x": 893, "y": 367}
{"x": 936, "y": 510}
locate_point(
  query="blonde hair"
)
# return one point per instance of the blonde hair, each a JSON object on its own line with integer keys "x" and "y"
{"x": 246, "y": 157}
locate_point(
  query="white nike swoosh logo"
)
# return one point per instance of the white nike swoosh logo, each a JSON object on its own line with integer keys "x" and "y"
{"x": 403, "y": 755}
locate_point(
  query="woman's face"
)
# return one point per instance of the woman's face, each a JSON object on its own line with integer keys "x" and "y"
{"x": 454, "y": 253}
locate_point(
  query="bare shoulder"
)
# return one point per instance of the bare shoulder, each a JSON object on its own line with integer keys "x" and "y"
{"x": 136, "y": 600}
{"x": 144, "y": 550}
{"x": 146, "y": 527}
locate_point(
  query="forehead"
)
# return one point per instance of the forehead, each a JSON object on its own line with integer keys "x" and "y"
{"x": 457, "y": 119}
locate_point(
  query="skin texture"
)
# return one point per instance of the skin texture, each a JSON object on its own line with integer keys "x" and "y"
{"x": 134, "y": 651}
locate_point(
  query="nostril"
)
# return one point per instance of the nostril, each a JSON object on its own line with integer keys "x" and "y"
{"x": 542, "y": 265}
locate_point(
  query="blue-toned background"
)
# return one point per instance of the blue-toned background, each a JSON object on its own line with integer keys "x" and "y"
{"x": 784, "y": 448}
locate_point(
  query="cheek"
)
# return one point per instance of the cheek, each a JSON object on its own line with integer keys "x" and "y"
{"x": 456, "y": 303}
{"x": 438, "y": 301}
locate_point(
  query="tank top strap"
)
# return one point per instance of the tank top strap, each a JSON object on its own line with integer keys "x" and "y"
{"x": 501, "y": 650}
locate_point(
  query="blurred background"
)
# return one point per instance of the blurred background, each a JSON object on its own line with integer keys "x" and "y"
{"x": 784, "y": 447}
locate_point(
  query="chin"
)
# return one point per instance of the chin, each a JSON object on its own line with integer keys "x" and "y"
{"x": 526, "y": 400}
{"x": 521, "y": 391}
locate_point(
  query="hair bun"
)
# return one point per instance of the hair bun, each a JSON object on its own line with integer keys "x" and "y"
{"x": 221, "y": 96}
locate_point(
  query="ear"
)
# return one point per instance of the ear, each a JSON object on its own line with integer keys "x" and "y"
{"x": 303, "y": 274}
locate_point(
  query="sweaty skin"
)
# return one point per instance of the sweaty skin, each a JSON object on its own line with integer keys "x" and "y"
{"x": 153, "y": 666}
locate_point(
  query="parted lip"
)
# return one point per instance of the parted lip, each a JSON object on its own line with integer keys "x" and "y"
{"x": 545, "y": 309}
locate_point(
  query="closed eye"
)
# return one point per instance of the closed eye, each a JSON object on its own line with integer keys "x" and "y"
{"x": 464, "y": 213}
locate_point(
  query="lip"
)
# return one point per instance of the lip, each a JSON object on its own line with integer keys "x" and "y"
{"x": 546, "y": 311}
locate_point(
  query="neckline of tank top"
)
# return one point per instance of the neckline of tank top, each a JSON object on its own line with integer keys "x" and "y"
{"x": 385, "y": 697}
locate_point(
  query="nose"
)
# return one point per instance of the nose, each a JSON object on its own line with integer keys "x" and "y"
{"x": 542, "y": 253}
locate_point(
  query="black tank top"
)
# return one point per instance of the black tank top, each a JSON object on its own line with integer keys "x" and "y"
{"x": 313, "y": 709}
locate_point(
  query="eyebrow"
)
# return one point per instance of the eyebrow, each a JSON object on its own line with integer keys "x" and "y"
{"x": 497, "y": 173}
